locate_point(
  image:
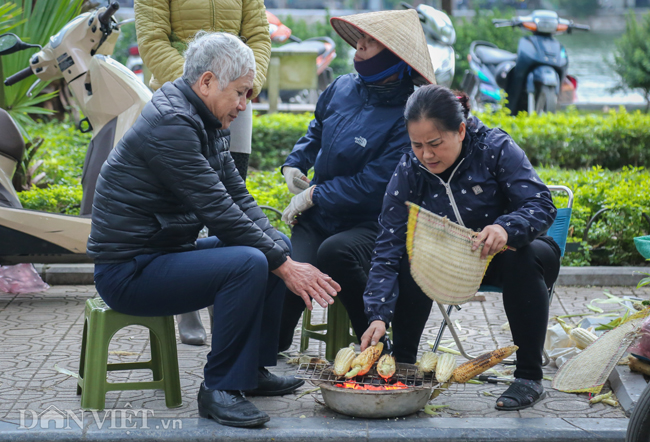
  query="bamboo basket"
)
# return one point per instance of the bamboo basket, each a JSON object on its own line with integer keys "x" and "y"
{"x": 442, "y": 261}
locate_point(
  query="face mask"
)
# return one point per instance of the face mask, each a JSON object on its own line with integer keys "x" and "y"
{"x": 380, "y": 67}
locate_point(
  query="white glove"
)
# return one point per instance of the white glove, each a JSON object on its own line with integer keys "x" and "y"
{"x": 298, "y": 204}
{"x": 294, "y": 178}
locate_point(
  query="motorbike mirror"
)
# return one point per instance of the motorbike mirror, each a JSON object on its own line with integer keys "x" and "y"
{"x": 10, "y": 43}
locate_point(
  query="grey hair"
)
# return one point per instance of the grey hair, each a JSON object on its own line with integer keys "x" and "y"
{"x": 223, "y": 54}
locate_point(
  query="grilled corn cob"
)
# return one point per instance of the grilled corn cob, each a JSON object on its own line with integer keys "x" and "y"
{"x": 428, "y": 362}
{"x": 362, "y": 363}
{"x": 467, "y": 370}
{"x": 386, "y": 366}
{"x": 343, "y": 360}
{"x": 445, "y": 367}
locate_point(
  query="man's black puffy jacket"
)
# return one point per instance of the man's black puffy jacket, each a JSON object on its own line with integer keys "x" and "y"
{"x": 169, "y": 176}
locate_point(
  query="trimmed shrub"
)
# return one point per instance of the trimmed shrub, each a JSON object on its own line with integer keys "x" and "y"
{"x": 274, "y": 136}
{"x": 572, "y": 140}
{"x": 626, "y": 193}
{"x": 55, "y": 199}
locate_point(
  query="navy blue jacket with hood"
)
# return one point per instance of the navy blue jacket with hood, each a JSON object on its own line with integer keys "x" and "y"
{"x": 494, "y": 183}
{"x": 355, "y": 140}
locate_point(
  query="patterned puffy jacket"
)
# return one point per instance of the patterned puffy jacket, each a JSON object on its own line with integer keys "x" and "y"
{"x": 493, "y": 184}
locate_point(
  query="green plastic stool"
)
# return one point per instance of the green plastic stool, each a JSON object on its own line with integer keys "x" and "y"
{"x": 337, "y": 330}
{"x": 100, "y": 325}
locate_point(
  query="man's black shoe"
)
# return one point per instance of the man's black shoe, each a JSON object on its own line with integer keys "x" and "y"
{"x": 269, "y": 384}
{"x": 229, "y": 408}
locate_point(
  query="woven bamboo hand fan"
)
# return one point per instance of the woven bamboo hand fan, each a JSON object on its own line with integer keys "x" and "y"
{"x": 441, "y": 257}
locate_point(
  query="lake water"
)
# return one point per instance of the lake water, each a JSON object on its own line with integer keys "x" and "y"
{"x": 586, "y": 51}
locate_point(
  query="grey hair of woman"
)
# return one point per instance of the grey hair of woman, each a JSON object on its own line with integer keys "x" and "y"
{"x": 223, "y": 54}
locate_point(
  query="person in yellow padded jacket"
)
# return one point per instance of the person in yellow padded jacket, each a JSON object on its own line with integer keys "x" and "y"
{"x": 163, "y": 28}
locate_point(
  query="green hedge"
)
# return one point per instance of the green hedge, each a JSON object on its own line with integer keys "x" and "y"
{"x": 573, "y": 140}
{"x": 274, "y": 135}
{"x": 626, "y": 193}
{"x": 566, "y": 139}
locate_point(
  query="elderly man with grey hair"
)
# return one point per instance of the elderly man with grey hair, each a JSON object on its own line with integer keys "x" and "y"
{"x": 169, "y": 176}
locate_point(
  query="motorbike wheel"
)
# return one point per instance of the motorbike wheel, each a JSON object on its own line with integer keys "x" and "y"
{"x": 546, "y": 100}
{"x": 638, "y": 428}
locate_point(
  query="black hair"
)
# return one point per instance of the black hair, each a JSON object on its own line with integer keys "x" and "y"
{"x": 433, "y": 102}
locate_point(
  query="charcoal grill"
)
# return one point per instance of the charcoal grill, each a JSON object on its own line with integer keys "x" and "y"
{"x": 372, "y": 403}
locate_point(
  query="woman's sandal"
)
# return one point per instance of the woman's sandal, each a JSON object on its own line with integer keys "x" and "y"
{"x": 522, "y": 394}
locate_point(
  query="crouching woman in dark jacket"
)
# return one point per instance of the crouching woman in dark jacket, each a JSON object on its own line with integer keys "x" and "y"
{"x": 477, "y": 177}
{"x": 169, "y": 176}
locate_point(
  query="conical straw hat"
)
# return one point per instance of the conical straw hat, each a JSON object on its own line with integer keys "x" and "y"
{"x": 399, "y": 31}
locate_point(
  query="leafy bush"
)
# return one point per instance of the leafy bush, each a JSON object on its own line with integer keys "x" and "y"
{"x": 274, "y": 135}
{"x": 480, "y": 27}
{"x": 38, "y": 20}
{"x": 573, "y": 140}
{"x": 54, "y": 199}
{"x": 626, "y": 195}
{"x": 63, "y": 151}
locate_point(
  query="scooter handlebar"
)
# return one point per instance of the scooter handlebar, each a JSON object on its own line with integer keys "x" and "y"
{"x": 581, "y": 27}
{"x": 19, "y": 76}
{"x": 105, "y": 17}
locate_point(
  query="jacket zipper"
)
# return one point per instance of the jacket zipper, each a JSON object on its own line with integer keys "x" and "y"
{"x": 449, "y": 192}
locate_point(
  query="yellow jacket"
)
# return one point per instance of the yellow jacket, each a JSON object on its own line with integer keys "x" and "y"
{"x": 164, "y": 26}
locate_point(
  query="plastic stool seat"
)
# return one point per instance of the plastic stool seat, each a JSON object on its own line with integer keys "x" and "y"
{"x": 100, "y": 325}
{"x": 337, "y": 330}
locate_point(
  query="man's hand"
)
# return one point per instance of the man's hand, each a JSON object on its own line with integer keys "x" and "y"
{"x": 308, "y": 282}
{"x": 293, "y": 176}
{"x": 373, "y": 334}
{"x": 495, "y": 238}
{"x": 298, "y": 204}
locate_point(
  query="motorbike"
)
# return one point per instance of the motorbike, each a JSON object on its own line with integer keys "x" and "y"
{"x": 324, "y": 46}
{"x": 534, "y": 77}
{"x": 110, "y": 97}
{"x": 440, "y": 35}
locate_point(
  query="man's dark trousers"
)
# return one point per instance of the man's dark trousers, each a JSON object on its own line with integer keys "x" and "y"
{"x": 247, "y": 302}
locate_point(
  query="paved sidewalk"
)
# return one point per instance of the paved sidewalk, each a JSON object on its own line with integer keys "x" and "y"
{"x": 41, "y": 332}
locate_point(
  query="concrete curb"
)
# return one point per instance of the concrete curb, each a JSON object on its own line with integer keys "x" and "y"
{"x": 318, "y": 429}
{"x": 82, "y": 274}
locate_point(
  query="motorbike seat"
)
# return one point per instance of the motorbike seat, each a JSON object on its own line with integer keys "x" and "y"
{"x": 317, "y": 46}
{"x": 493, "y": 56}
{"x": 12, "y": 144}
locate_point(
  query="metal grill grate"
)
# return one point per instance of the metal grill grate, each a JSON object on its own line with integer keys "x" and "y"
{"x": 406, "y": 373}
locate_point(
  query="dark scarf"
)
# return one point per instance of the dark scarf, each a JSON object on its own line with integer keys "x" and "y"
{"x": 380, "y": 67}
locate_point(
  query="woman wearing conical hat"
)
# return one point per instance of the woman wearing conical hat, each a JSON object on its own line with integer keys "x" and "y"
{"x": 353, "y": 143}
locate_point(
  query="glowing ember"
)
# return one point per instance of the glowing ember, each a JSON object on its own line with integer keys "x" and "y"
{"x": 355, "y": 386}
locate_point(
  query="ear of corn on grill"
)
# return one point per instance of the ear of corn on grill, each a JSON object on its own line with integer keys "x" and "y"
{"x": 428, "y": 362}
{"x": 362, "y": 363}
{"x": 386, "y": 366}
{"x": 466, "y": 371}
{"x": 343, "y": 360}
{"x": 445, "y": 367}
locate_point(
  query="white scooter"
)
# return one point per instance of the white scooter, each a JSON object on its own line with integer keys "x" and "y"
{"x": 110, "y": 97}
{"x": 441, "y": 35}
